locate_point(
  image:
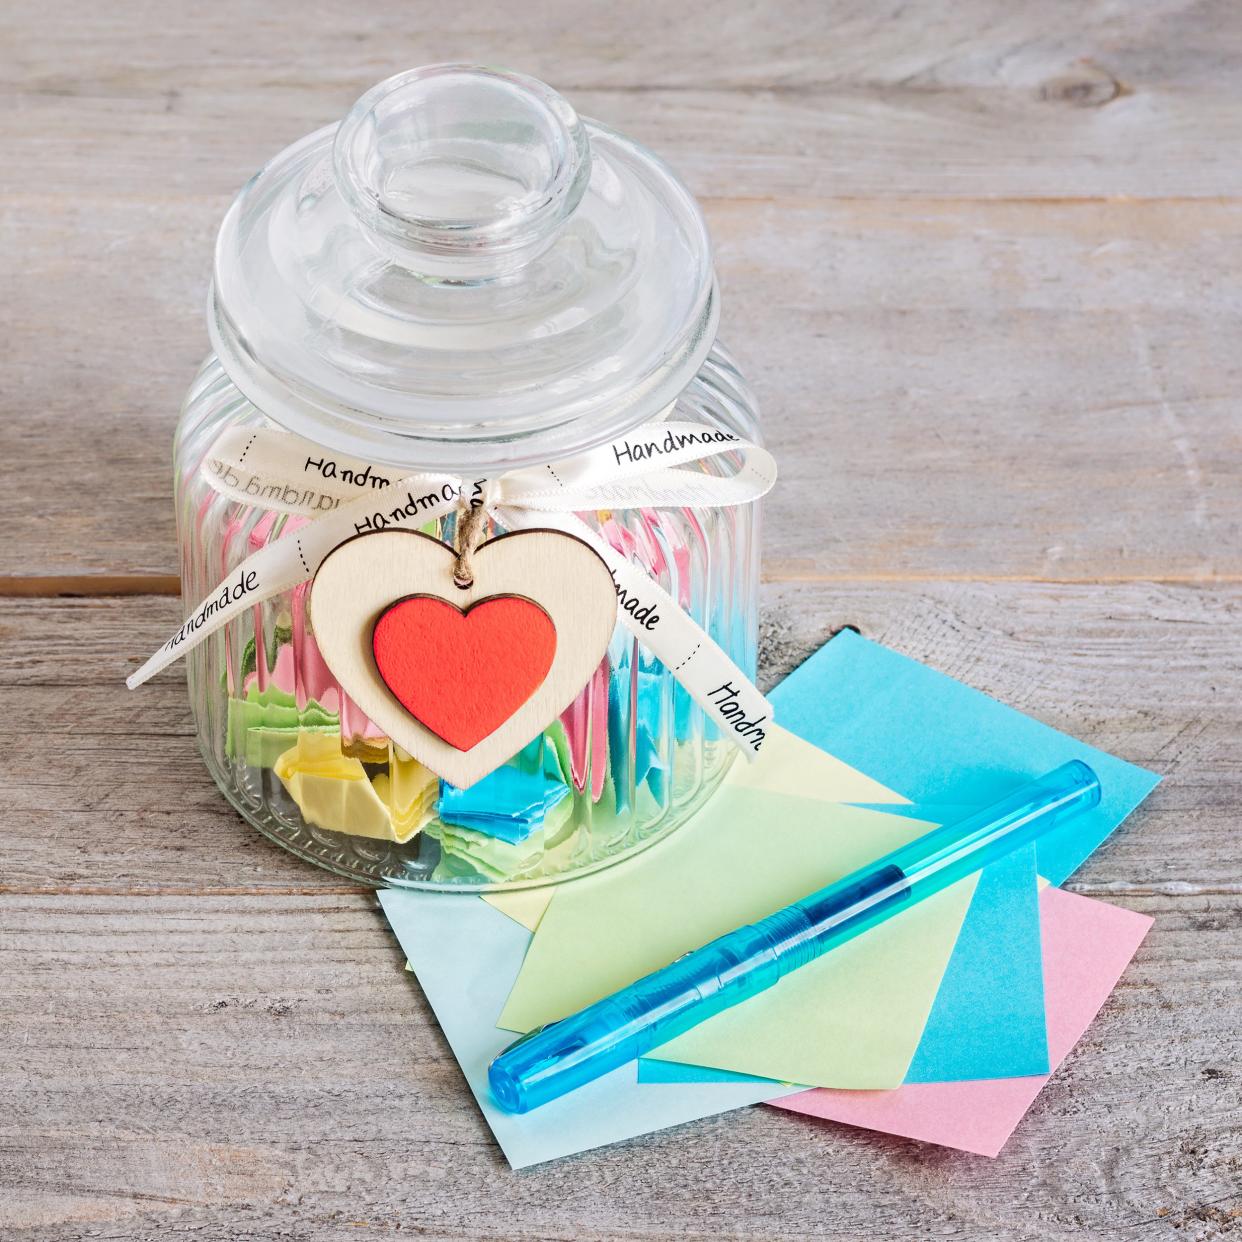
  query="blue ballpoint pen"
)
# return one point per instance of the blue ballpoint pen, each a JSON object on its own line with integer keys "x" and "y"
{"x": 565, "y": 1055}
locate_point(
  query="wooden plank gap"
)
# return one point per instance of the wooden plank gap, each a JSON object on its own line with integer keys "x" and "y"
{"x": 185, "y": 890}
{"x": 930, "y": 199}
{"x": 58, "y": 586}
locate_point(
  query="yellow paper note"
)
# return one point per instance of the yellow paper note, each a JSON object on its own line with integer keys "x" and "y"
{"x": 409, "y": 791}
{"x": 523, "y": 905}
{"x": 787, "y": 764}
{"x": 332, "y": 791}
{"x": 852, "y": 1019}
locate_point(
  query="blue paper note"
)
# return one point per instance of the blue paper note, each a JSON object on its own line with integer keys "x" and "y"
{"x": 937, "y": 741}
{"x": 509, "y": 803}
{"x": 983, "y": 1024}
{"x": 466, "y": 956}
{"x": 652, "y": 1071}
{"x": 649, "y": 705}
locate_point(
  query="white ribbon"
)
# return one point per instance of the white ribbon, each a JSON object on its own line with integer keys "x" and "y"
{"x": 275, "y": 470}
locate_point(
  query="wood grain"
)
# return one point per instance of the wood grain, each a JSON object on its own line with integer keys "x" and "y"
{"x": 259, "y": 1067}
{"x": 1055, "y": 100}
{"x": 1007, "y": 389}
{"x": 981, "y": 263}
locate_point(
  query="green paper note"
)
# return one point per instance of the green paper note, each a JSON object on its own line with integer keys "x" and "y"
{"x": 852, "y": 1019}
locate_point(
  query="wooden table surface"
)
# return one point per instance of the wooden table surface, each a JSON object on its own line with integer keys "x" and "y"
{"x": 982, "y": 263}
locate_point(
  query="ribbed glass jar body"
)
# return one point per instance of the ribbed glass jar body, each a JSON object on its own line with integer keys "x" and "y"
{"x": 629, "y": 761}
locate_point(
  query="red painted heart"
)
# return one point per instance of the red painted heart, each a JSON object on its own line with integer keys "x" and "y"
{"x": 463, "y": 674}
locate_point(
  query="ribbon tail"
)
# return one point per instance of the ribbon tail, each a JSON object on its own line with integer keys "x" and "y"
{"x": 694, "y": 658}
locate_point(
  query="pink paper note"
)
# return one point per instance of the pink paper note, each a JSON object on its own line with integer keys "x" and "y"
{"x": 1087, "y": 945}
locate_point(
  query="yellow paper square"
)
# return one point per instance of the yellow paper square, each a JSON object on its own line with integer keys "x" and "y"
{"x": 853, "y": 1019}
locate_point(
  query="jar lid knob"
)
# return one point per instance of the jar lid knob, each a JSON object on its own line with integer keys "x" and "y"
{"x": 460, "y": 172}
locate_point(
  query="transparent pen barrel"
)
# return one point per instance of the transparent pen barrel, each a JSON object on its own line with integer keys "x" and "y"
{"x": 946, "y": 855}
{"x": 810, "y": 927}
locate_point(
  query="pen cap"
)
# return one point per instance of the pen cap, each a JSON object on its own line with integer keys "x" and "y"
{"x": 559, "y": 1057}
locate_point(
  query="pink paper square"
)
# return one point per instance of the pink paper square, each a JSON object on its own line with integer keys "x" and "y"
{"x": 1086, "y": 945}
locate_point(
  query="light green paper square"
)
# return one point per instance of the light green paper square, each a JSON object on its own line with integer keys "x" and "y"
{"x": 851, "y": 1020}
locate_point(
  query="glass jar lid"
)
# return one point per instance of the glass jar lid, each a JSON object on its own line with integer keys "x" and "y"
{"x": 463, "y": 274}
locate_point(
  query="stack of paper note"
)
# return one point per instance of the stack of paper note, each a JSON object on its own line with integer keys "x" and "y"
{"x": 941, "y": 1024}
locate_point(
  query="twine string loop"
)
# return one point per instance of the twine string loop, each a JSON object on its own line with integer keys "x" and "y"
{"x": 471, "y": 527}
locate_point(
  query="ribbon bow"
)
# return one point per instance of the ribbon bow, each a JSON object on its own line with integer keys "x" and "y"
{"x": 347, "y": 497}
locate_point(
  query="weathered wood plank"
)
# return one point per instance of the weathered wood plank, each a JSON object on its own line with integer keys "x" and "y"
{"x": 103, "y": 789}
{"x": 844, "y": 98}
{"x": 999, "y": 389}
{"x": 263, "y": 1068}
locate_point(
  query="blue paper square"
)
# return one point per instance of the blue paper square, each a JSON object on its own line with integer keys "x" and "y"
{"x": 937, "y": 741}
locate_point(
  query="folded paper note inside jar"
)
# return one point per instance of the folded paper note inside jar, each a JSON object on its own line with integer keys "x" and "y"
{"x": 333, "y": 791}
{"x": 509, "y": 804}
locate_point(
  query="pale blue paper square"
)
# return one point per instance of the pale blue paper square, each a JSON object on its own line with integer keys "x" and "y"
{"x": 466, "y": 955}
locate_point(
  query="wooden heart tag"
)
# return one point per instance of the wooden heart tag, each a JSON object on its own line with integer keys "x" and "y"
{"x": 463, "y": 677}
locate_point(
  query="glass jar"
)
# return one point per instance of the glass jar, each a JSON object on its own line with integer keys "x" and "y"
{"x": 462, "y": 276}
